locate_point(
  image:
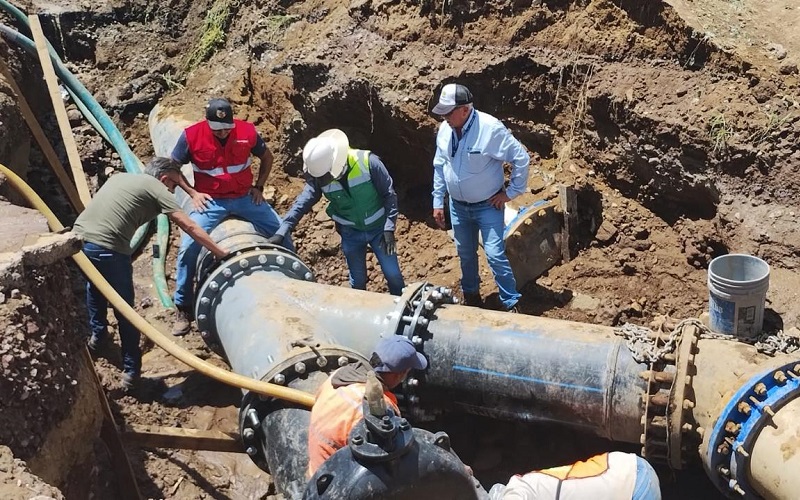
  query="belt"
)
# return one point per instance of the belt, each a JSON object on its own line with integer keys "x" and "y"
{"x": 468, "y": 204}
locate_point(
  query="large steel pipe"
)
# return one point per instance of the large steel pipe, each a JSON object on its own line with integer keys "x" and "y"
{"x": 512, "y": 366}
{"x": 529, "y": 368}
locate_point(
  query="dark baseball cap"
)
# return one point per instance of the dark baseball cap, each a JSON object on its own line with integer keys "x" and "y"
{"x": 397, "y": 354}
{"x": 452, "y": 95}
{"x": 219, "y": 114}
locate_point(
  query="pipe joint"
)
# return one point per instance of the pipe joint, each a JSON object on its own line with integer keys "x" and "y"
{"x": 730, "y": 444}
{"x": 227, "y": 272}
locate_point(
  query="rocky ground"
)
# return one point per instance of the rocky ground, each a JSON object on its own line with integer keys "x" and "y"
{"x": 677, "y": 123}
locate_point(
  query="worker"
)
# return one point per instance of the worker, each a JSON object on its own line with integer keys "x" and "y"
{"x": 608, "y": 476}
{"x": 125, "y": 202}
{"x": 219, "y": 149}
{"x": 471, "y": 147}
{"x": 338, "y": 407}
{"x": 363, "y": 205}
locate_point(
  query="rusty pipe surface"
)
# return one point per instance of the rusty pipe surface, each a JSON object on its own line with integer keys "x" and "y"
{"x": 775, "y": 457}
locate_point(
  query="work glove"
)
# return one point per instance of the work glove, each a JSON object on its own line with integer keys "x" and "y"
{"x": 388, "y": 245}
{"x": 275, "y": 239}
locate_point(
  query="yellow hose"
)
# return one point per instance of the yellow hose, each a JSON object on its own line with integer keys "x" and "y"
{"x": 164, "y": 342}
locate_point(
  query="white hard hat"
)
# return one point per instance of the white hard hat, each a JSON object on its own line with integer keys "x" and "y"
{"x": 326, "y": 153}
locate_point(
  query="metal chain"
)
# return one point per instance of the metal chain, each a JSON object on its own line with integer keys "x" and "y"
{"x": 641, "y": 341}
{"x": 768, "y": 343}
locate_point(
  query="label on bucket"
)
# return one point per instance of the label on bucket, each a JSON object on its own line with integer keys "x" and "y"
{"x": 721, "y": 314}
{"x": 745, "y": 320}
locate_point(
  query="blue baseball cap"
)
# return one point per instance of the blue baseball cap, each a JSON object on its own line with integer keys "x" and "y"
{"x": 397, "y": 354}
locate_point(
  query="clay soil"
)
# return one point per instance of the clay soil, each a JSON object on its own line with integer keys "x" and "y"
{"x": 676, "y": 122}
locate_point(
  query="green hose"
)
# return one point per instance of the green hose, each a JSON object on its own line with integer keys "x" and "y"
{"x": 97, "y": 116}
{"x": 20, "y": 16}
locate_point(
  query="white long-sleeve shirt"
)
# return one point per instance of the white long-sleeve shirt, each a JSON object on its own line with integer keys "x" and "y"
{"x": 471, "y": 168}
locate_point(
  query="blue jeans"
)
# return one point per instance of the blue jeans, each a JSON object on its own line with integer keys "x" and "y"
{"x": 467, "y": 221}
{"x": 646, "y": 486}
{"x": 116, "y": 268}
{"x": 354, "y": 247}
{"x": 263, "y": 217}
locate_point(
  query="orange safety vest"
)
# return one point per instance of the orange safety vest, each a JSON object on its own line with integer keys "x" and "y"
{"x": 222, "y": 171}
{"x": 333, "y": 416}
{"x": 608, "y": 476}
{"x": 591, "y": 467}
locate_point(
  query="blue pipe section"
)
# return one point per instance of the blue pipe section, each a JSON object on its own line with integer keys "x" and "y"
{"x": 100, "y": 120}
{"x": 738, "y": 427}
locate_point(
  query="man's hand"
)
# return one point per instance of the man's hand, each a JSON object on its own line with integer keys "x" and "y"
{"x": 438, "y": 216}
{"x": 499, "y": 200}
{"x": 257, "y": 195}
{"x": 275, "y": 239}
{"x": 387, "y": 244}
{"x": 200, "y": 201}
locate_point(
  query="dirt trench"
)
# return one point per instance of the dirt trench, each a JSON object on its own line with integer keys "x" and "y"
{"x": 681, "y": 147}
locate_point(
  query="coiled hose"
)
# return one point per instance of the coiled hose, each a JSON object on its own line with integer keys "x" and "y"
{"x": 161, "y": 340}
{"x": 97, "y": 116}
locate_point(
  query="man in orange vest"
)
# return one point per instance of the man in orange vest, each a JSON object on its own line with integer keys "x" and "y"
{"x": 219, "y": 149}
{"x": 608, "y": 476}
{"x": 338, "y": 407}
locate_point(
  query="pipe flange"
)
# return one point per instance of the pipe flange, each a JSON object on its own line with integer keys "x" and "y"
{"x": 403, "y": 308}
{"x": 680, "y": 420}
{"x": 668, "y": 402}
{"x": 256, "y": 407}
{"x": 246, "y": 263}
{"x": 206, "y": 262}
{"x": 313, "y": 359}
{"x": 739, "y": 424}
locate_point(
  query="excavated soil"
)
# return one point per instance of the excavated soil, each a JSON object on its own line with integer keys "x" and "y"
{"x": 676, "y": 122}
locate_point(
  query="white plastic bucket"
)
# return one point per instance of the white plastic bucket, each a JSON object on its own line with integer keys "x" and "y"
{"x": 737, "y": 291}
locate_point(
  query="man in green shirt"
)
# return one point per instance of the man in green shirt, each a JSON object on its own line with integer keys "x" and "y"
{"x": 125, "y": 202}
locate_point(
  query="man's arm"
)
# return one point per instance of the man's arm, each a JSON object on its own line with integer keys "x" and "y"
{"x": 505, "y": 147}
{"x": 197, "y": 233}
{"x": 385, "y": 187}
{"x": 310, "y": 195}
{"x": 264, "y": 155}
{"x": 265, "y": 168}
{"x": 181, "y": 154}
{"x": 439, "y": 187}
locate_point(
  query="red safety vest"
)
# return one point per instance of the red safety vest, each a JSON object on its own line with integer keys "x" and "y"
{"x": 333, "y": 416}
{"x": 222, "y": 171}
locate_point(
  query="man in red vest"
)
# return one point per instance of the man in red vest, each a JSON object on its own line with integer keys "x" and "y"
{"x": 338, "y": 406}
{"x": 219, "y": 149}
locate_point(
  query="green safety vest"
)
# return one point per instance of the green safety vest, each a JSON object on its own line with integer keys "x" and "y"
{"x": 361, "y": 208}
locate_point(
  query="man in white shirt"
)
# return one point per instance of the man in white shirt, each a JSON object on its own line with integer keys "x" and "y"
{"x": 608, "y": 476}
{"x": 471, "y": 147}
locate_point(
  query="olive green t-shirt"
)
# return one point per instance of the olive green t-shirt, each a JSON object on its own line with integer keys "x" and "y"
{"x": 125, "y": 202}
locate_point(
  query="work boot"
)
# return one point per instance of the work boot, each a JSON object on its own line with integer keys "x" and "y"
{"x": 183, "y": 322}
{"x": 473, "y": 299}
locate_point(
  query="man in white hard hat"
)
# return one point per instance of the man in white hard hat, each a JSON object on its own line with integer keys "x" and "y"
{"x": 363, "y": 204}
{"x": 471, "y": 147}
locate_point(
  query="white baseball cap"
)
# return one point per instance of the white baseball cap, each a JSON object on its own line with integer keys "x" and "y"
{"x": 326, "y": 153}
{"x": 453, "y": 94}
